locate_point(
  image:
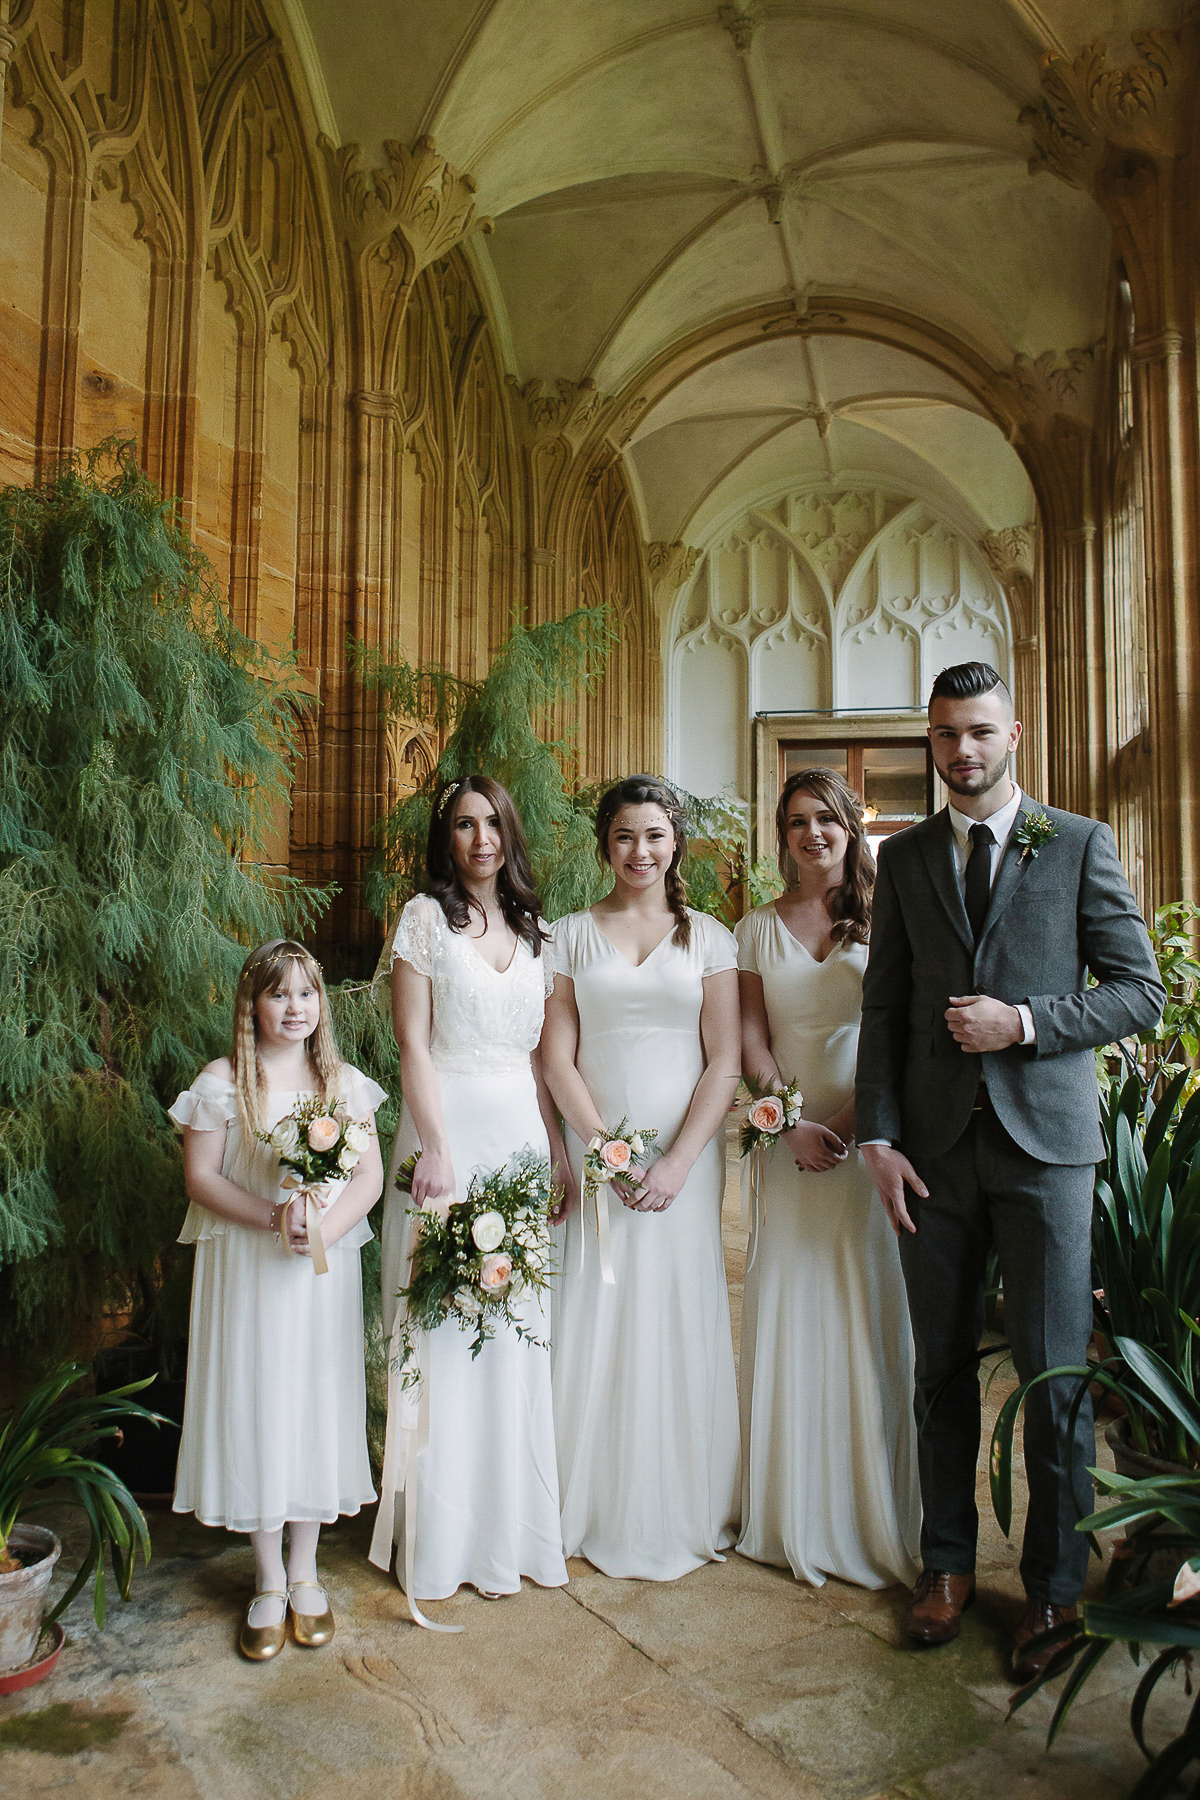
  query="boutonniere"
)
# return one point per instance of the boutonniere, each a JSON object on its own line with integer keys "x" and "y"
{"x": 1032, "y": 831}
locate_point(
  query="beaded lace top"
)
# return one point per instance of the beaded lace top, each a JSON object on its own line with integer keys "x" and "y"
{"x": 485, "y": 1021}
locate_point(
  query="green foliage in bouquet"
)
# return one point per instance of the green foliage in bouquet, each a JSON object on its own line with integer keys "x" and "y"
{"x": 470, "y": 1267}
{"x": 143, "y": 744}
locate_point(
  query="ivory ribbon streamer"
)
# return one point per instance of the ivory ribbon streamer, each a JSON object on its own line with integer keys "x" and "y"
{"x": 407, "y": 1436}
{"x": 312, "y": 1220}
{"x": 597, "y": 1192}
{"x": 756, "y": 1202}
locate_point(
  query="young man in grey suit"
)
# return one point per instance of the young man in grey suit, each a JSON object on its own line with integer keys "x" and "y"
{"x": 977, "y": 1113}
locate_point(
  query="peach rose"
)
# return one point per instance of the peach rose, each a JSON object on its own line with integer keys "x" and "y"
{"x": 496, "y": 1273}
{"x": 616, "y": 1155}
{"x": 323, "y": 1133}
{"x": 767, "y": 1114}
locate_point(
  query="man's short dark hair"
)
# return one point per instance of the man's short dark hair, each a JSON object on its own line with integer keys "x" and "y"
{"x": 965, "y": 681}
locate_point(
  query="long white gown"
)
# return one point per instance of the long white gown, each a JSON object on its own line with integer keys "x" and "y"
{"x": 275, "y": 1412}
{"x": 829, "y": 1463}
{"x": 645, "y": 1396}
{"x": 487, "y": 1487}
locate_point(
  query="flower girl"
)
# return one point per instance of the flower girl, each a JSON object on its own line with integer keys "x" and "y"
{"x": 274, "y": 1426}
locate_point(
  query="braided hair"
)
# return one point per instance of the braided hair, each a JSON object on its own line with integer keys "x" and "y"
{"x": 651, "y": 790}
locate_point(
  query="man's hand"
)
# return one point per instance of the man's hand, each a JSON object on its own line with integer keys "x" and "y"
{"x": 978, "y": 1023}
{"x": 891, "y": 1172}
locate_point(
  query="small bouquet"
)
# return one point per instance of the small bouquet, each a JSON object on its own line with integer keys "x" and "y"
{"x": 473, "y": 1265}
{"x": 611, "y": 1156}
{"x": 319, "y": 1147}
{"x": 770, "y": 1115}
{"x": 616, "y": 1155}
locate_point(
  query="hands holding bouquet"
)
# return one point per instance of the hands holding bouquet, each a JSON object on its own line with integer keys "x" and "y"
{"x": 472, "y": 1264}
{"x": 778, "y": 1114}
{"x": 319, "y": 1148}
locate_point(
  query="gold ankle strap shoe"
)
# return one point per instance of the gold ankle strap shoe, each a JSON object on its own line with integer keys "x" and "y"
{"x": 261, "y": 1642}
{"x": 310, "y": 1628}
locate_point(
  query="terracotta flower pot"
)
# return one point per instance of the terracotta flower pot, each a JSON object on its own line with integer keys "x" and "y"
{"x": 1135, "y": 1463}
{"x": 23, "y": 1593}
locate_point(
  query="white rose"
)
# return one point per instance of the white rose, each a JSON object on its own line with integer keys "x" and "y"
{"x": 347, "y": 1159}
{"x": 357, "y": 1137}
{"x": 488, "y": 1231}
{"x": 468, "y": 1302}
{"x": 636, "y": 1144}
{"x": 286, "y": 1137}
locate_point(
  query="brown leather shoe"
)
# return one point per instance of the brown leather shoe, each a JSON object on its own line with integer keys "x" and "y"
{"x": 939, "y": 1601}
{"x": 1038, "y": 1616}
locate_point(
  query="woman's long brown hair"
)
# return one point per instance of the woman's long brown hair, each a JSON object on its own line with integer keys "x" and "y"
{"x": 649, "y": 790}
{"x": 849, "y": 904}
{"x": 264, "y": 972}
{"x": 515, "y": 891}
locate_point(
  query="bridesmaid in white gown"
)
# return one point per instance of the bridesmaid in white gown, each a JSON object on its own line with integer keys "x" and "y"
{"x": 469, "y": 983}
{"x": 643, "y": 1024}
{"x": 829, "y": 1469}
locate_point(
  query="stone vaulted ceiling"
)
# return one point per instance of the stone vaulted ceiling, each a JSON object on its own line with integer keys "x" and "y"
{"x": 657, "y": 167}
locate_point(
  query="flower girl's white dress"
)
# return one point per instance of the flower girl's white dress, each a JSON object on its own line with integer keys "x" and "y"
{"x": 829, "y": 1454}
{"x": 645, "y": 1396}
{"x": 274, "y": 1419}
{"x": 487, "y": 1487}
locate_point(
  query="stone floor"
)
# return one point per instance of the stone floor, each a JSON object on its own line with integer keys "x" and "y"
{"x": 734, "y": 1682}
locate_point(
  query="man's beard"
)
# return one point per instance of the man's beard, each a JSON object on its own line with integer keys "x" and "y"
{"x": 981, "y": 782}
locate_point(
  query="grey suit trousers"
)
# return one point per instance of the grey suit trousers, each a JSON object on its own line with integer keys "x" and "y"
{"x": 985, "y": 1189}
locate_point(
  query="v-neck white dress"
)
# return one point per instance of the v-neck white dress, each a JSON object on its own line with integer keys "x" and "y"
{"x": 645, "y": 1396}
{"x": 487, "y": 1488}
{"x": 829, "y": 1464}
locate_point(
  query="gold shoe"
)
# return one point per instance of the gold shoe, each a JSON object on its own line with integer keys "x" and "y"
{"x": 261, "y": 1642}
{"x": 310, "y": 1629}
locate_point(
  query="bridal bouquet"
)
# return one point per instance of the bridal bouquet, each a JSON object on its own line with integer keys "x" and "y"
{"x": 770, "y": 1115}
{"x": 319, "y": 1147}
{"x": 472, "y": 1266}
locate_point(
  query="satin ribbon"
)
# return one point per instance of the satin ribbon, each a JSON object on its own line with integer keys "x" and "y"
{"x": 597, "y": 1193}
{"x": 312, "y": 1221}
{"x": 407, "y": 1437}
{"x": 756, "y": 1202}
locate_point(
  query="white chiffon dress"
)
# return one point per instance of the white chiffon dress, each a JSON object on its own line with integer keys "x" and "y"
{"x": 645, "y": 1395}
{"x": 275, "y": 1410}
{"x": 487, "y": 1486}
{"x": 829, "y": 1463}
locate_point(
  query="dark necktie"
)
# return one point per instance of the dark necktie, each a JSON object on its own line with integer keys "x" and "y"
{"x": 979, "y": 877}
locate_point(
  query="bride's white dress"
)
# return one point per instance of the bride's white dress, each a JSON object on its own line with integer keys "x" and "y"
{"x": 829, "y": 1464}
{"x": 645, "y": 1396}
{"x": 487, "y": 1490}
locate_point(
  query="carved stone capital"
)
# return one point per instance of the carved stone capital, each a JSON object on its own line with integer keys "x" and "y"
{"x": 1088, "y": 110}
{"x": 1164, "y": 346}
{"x": 670, "y": 566}
{"x": 1009, "y": 554}
{"x": 742, "y": 22}
{"x": 376, "y": 403}
{"x": 566, "y": 409}
{"x": 420, "y": 198}
{"x": 1049, "y": 385}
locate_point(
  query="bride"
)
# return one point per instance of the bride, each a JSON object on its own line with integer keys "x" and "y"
{"x": 469, "y": 981}
{"x": 829, "y": 1467}
{"x": 643, "y": 1024}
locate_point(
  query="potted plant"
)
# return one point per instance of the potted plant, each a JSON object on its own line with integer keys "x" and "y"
{"x": 48, "y": 1440}
{"x": 1161, "y": 1516}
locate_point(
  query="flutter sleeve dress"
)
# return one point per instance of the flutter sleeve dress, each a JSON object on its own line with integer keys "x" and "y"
{"x": 487, "y": 1486}
{"x": 829, "y": 1465}
{"x": 274, "y": 1419}
{"x": 645, "y": 1394}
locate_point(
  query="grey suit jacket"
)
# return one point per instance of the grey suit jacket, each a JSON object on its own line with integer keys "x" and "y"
{"x": 1052, "y": 920}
